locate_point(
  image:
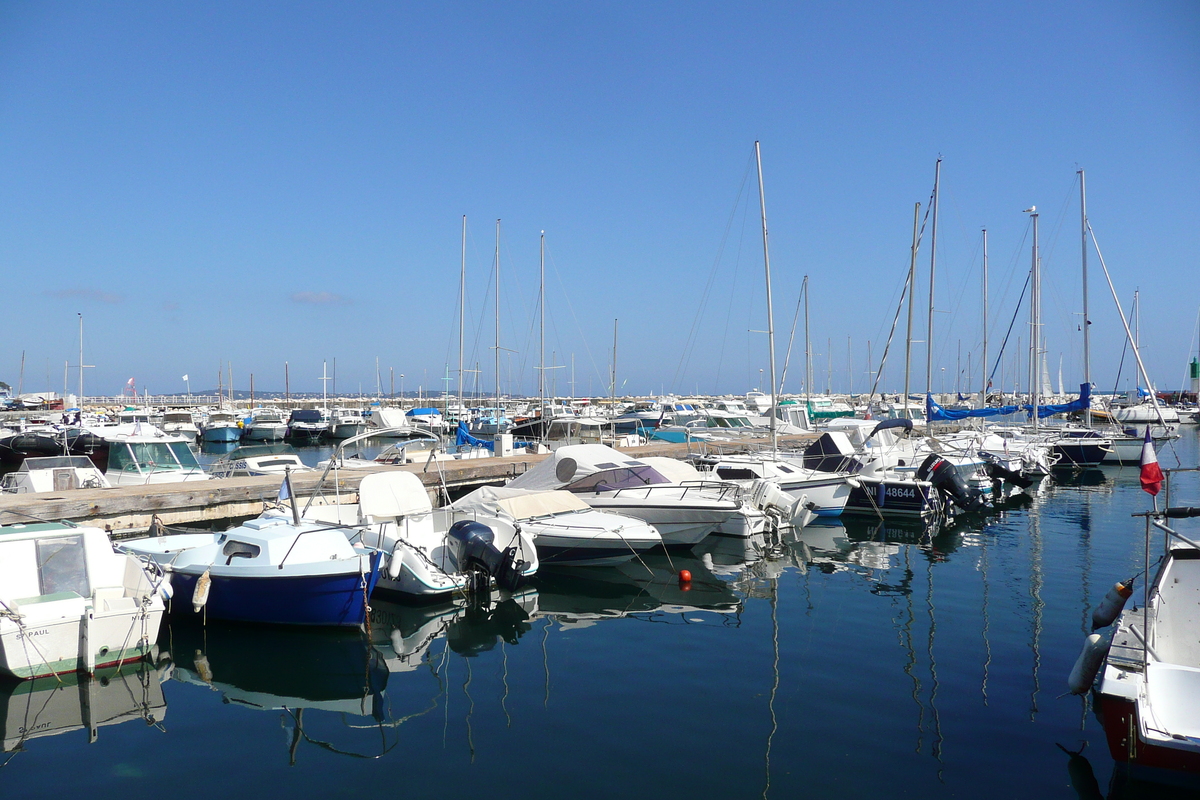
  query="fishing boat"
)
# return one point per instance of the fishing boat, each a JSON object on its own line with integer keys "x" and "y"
{"x": 221, "y": 426}
{"x": 1148, "y": 690}
{"x": 274, "y": 570}
{"x": 69, "y": 602}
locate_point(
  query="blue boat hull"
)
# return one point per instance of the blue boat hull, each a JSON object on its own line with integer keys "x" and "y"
{"x": 318, "y": 600}
{"x": 221, "y": 434}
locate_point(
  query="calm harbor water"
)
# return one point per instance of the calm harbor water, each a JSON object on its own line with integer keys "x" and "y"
{"x": 854, "y": 660}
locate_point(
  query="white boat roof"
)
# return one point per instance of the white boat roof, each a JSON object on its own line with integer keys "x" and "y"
{"x": 574, "y": 462}
{"x": 521, "y": 504}
{"x": 392, "y": 494}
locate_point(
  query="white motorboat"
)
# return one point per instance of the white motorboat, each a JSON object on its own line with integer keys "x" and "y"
{"x": 825, "y": 492}
{"x": 143, "y": 455}
{"x": 345, "y": 423}
{"x": 1148, "y": 689}
{"x": 69, "y": 602}
{"x": 54, "y": 474}
{"x": 265, "y": 425}
{"x": 427, "y": 552}
{"x": 254, "y": 460}
{"x": 609, "y": 480}
{"x": 565, "y": 530}
{"x": 179, "y": 422}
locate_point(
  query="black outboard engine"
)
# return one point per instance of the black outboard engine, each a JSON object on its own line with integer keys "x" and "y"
{"x": 473, "y": 544}
{"x": 945, "y": 478}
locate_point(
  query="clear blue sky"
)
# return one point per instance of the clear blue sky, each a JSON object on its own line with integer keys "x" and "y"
{"x": 258, "y": 183}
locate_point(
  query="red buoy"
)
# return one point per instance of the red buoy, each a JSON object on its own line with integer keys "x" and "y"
{"x": 685, "y": 576}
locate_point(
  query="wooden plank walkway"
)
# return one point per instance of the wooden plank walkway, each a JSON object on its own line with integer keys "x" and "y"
{"x": 131, "y": 508}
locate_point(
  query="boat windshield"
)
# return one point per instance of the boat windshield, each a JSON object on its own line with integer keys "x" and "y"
{"x": 150, "y": 457}
{"x": 619, "y": 478}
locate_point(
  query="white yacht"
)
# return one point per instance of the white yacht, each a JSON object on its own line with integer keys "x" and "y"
{"x": 265, "y": 425}
{"x": 137, "y": 457}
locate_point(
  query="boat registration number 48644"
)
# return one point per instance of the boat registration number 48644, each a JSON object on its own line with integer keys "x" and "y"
{"x": 902, "y": 491}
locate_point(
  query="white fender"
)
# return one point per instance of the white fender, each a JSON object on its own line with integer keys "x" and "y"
{"x": 1095, "y": 648}
{"x": 1112, "y": 604}
{"x": 200, "y": 593}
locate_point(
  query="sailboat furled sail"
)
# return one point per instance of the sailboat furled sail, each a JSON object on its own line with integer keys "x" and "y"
{"x": 938, "y": 414}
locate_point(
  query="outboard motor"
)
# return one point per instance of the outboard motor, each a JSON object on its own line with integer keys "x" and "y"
{"x": 474, "y": 548}
{"x": 945, "y": 478}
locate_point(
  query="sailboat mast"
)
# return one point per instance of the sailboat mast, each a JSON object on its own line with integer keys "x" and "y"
{"x": 983, "y": 396}
{"x": 1087, "y": 322}
{"x": 912, "y": 275}
{"x": 462, "y": 304}
{"x": 937, "y": 178}
{"x": 1034, "y": 317}
{"x": 542, "y": 325}
{"x": 762, "y": 202}
{"x": 807, "y": 351}
{"x": 80, "y": 362}
{"x": 497, "y": 315}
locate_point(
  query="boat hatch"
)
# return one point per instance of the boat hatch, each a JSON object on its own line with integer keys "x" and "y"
{"x": 263, "y": 523}
{"x": 235, "y": 549}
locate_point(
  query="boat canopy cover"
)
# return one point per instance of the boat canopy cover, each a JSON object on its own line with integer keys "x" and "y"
{"x": 570, "y": 466}
{"x": 834, "y": 452}
{"x": 673, "y": 469}
{"x": 463, "y": 437}
{"x": 899, "y": 422}
{"x": 938, "y": 414}
{"x": 386, "y": 495}
{"x": 424, "y": 412}
{"x": 520, "y": 504}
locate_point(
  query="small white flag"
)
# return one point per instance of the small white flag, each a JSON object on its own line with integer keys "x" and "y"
{"x": 129, "y": 382}
{"x": 185, "y": 377}
{"x": 284, "y": 494}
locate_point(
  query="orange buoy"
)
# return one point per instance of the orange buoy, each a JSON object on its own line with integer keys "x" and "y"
{"x": 685, "y": 576}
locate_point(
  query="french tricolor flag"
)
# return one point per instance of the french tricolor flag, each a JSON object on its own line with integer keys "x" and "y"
{"x": 1152, "y": 474}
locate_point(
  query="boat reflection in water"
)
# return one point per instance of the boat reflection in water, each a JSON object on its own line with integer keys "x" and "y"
{"x": 48, "y": 706}
{"x": 332, "y": 674}
{"x": 402, "y": 633}
{"x": 581, "y": 595}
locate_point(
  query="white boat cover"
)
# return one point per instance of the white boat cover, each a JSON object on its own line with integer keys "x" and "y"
{"x": 387, "y": 495}
{"x": 520, "y": 504}
{"x": 572, "y": 463}
{"x": 673, "y": 469}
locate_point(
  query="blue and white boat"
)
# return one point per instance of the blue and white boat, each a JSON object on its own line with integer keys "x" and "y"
{"x": 221, "y": 426}
{"x": 270, "y": 570}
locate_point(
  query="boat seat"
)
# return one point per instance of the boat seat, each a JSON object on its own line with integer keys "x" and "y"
{"x": 1174, "y": 698}
{"x": 119, "y": 604}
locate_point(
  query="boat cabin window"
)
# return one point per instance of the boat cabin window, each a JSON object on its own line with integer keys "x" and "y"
{"x": 235, "y": 549}
{"x": 187, "y": 459}
{"x": 735, "y": 473}
{"x": 61, "y": 566}
{"x": 618, "y": 478}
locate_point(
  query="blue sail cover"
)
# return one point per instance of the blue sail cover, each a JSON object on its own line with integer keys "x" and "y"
{"x": 936, "y": 413}
{"x": 464, "y": 437}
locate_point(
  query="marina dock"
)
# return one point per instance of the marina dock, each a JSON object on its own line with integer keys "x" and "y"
{"x": 132, "y": 508}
